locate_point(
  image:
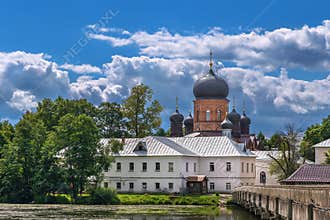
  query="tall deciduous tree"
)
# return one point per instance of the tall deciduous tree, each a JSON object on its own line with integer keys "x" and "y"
{"x": 21, "y": 159}
{"x": 287, "y": 162}
{"x": 142, "y": 112}
{"x": 313, "y": 135}
{"x": 110, "y": 120}
{"x": 78, "y": 139}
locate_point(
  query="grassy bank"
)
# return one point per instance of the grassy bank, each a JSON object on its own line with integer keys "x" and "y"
{"x": 151, "y": 199}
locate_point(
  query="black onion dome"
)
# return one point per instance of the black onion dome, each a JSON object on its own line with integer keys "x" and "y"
{"x": 176, "y": 117}
{"x": 245, "y": 120}
{"x": 233, "y": 116}
{"x": 210, "y": 86}
{"x": 189, "y": 121}
{"x": 226, "y": 124}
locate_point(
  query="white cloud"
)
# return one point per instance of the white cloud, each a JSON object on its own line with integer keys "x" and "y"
{"x": 81, "y": 69}
{"x": 271, "y": 100}
{"x": 22, "y": 101}
{"x": 305, "y": 47}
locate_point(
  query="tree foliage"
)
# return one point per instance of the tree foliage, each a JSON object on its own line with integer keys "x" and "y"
{"x": 313, "y": 135}
{"x": 142, "y": 113}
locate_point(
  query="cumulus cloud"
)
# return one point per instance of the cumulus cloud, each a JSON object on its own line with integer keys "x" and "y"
{"x": 81, "y": 69}
{"x": 305, "y": 47}
{"x": 22, "y": 101}
{"x": 271, "y": 101}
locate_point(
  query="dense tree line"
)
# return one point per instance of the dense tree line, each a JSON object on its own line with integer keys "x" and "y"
{"x": 57, "y": 147}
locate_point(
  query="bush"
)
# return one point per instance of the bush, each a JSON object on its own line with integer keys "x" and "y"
{"x": 102, "y": 196}
{"x": 52, "y": 199}
{"x": 139, "y": 199}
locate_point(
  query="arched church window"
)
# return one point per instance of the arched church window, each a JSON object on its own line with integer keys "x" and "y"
{"x": 262, "y": 177}
{"x": 208, "y": 115}
{"x": 218, "y": 115}
{"x": 197, "y": 117}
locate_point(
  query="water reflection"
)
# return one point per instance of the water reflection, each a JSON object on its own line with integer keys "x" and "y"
{"x": 38, "y": 212}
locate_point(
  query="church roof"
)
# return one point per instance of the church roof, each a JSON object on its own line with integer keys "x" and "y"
{"x": 183, "y": 146}
{"x": 325, "y": 143}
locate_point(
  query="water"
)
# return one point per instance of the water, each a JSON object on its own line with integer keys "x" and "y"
{"x": 13, "y": 211}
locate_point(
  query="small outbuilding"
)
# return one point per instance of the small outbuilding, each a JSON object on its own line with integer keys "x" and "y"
{"x": 309, "y": 174}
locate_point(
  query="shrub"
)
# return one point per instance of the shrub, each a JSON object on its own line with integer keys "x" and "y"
{"x": 102, "y": 196}
{"x": 52, "y": 199}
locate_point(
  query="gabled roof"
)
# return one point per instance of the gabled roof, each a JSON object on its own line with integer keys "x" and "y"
{"x": 182, "y": 146}
{"x": 212, "y": 146}
{"x": 155, "y": 146}
{"x": 310, "y": 174}
{"x": 325, "y": 143}
{"x": 264, "y": 155}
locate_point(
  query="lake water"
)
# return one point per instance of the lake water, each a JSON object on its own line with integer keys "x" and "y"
{"x": 13, "y": 211}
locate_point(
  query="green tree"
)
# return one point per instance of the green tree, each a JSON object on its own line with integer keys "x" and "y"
{"x": 313, "y": 135}
{"x": 287, "y": 161}
{"x": 262, "y": 141}
{"x": 274, "y": 141}
{"x": 77, "y": 137}
{"x": 142, "y": 112}
{"x": 6, "y": 134}
{"x": 50, "y": 112}
{"x": 110, "y": 120}
{"x": 21, "y": 159}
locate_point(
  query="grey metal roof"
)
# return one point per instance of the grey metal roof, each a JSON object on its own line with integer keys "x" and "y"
{"x": 325, "y": 143}
{"x": 263, "y": 155}
{"x": 220, "y": 146}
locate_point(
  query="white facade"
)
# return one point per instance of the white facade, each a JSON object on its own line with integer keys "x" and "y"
{"x": 263, "y": 162}
{"x": 225, "y": 163}
{"x": 320, "y": 151}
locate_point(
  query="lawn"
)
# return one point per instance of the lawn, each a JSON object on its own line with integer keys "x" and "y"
{"x": 161, "y": 199}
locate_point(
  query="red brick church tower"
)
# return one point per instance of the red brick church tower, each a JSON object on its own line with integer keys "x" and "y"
{"x": 211, "y": 103}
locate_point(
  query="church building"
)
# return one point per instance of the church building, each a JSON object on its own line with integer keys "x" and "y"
{"x": 211, "y": 117}
{"x": 209, "y": 151}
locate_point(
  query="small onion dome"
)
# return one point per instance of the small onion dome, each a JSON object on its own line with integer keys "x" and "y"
{"x": 189, "y": 121}
{"x": 176, "y": 117}
{"x": 226, "y": 124}
{"x": 210, "y": 86}
{"x": 245, "y": 120}
{"x": 233, "y": 116}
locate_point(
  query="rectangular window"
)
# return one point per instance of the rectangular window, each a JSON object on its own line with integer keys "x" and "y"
{"x": 195, "y": 167}
{"x": 212, "y": 186}
{"x": 170, "y": 166}
{"x": 144, "y": 186}
{"x": 118, "y": 186}
{"x": 105, "y": 184}
{"x": 157, "y": 186}
{"x": 118, "y": 166}
{"x": 228, "y": 166}
{"x": 219, "y": 115}
{"x": 252, "y": 167}
{"x": 157, "y": 167}
{"x": 187, "y": 167}
{"x": 170, "y": 186}
{"x": 228, "y": 186}
{"x": 242, "y": 167}
{"x": 131, "y": 167}
{"x": 144, "y": 167}
{"x": 247, "y": 167}
{"x": 211, "y": 166}
{"x": 208, "y": 115}
{"x": 106, "y": 169}
{"x": 131, "y": 186}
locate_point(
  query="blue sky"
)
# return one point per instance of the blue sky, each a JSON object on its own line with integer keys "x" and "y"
{"x": 275, "y": 54}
